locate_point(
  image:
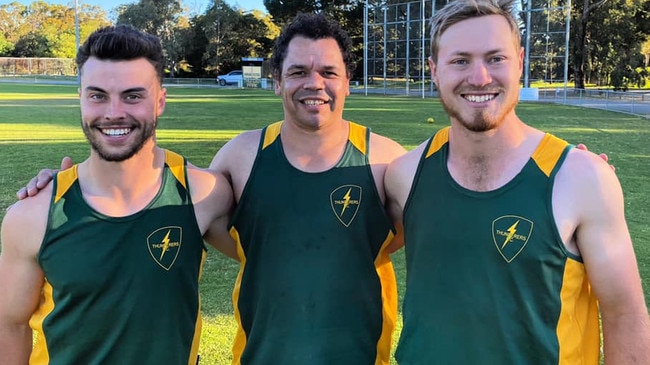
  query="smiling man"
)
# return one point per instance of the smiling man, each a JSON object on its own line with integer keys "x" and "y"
{"x": 103, "y": 266}
{"x": 515, "y": 241}
{"x": 316, "y": 284}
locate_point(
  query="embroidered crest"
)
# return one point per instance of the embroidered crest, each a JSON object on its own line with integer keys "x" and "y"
{"x": 510, "y": 234}
{"x": 164, "y": 245}
{"x": 345, "y": 201}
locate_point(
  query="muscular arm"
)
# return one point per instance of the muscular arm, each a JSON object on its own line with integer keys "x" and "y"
{"x": 213, "y": 203}
{"x": 383, "y": 151}
{"x": 235, "y": 160}
{"x": 602, "y": 238}
{"x": 397, "y": 182}
{"x": 21, "y": 278}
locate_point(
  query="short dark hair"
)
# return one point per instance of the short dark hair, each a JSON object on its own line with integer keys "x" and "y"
{"x": 122, "y": 43}
{"x": 312, "y": 26}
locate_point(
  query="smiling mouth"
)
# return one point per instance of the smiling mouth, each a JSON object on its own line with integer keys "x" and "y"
{"x": 116, "y": 132}
{"x": 314, "y": 102}
{"x": 479, "y": 98}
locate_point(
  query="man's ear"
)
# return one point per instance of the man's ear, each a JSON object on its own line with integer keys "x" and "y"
{"x": 432, "y": 67}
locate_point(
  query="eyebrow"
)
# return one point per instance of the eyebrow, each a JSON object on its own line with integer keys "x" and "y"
{"x": 304, "y": 67}
{"x": 488, "y": 53}
{"x": 127, "y": 91}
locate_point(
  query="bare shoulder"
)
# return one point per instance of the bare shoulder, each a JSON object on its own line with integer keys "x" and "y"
{"x": 240, "y": 149}
{"x": 400, "y": 174}
{"x": 587, "y": 173}
{"x": 25, "y": 222}
{"x": 587, "y": 197}
{"x": 407, "y": 161}
{"x": 384, "y": 149}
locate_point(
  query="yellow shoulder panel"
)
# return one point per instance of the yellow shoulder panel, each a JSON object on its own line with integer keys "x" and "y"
{"x": 548, "y": 153}
{"x": 272, "y": 132}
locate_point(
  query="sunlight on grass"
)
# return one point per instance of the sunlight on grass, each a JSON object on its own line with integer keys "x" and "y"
{"x": 17, "y": 96}
{"x": 591, "y": 130}
{"x": 195, "y": 135}
{"x": 30, "y": 133}
{"x": 217, "y": 337}
{"x": 13, "y": 132}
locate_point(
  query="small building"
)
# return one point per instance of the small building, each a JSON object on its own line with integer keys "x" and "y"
{"x": 256, "y": 72}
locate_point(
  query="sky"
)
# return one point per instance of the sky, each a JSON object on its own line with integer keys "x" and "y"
{"x": 195, "y": 6}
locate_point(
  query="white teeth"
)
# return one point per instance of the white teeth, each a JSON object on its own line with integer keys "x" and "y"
{"x": 116, "y": 132}
{"x": 479, "y": 98}
{"x": 314, "y": 102}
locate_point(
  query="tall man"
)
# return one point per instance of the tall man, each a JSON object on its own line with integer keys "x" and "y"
{"x": 515, "y": 242}
{"x": 316, "y": 284}
{"x": 104, "y": 265}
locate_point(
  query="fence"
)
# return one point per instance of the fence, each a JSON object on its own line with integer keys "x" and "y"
{"x": 15, "y": 66}
{"x": 636, "y": 102}
{"x": 631, "y": 102}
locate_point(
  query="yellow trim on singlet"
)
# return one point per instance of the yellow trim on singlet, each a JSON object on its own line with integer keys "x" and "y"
{"x": 64, "y": 181}
{"x": 548, "y": 152}
{"x": 40, "y": 353}
{"x": 176, "y": 166}
{"x": 357, "y": 136}
{"x": 240, "y": 337}
{"x": 386, "y": 274}
{"x": 579, "y": 311}
{"x": 272, "y": 132}
{"x": 439, "y": 139}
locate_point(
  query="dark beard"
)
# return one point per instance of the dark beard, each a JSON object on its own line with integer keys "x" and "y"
{"x": 147, "y": 132}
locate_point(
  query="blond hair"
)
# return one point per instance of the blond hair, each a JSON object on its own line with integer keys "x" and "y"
{"x": 459, "y": 10}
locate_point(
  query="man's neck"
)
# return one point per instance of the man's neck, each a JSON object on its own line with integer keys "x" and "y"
{"x": 314, "y": 150}
{"x": 122, "y": 188}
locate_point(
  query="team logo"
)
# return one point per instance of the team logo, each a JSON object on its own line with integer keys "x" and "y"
{"x": 510, "y": 234}
{"x": 345, "y": 201}
{"x": 164, "y": 245}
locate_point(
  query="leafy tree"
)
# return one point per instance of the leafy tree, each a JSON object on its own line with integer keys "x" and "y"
{"x": 32, "y": 45}
{"x": 230, "y": 34}
{"x": 160, "y": 17}
{"x": 604, "y": 36}
{"x": 645, "y": 50}
{"x": 5, "y": 46}
{"x": 53, "y": 24}
{"x": 11, "y": 19}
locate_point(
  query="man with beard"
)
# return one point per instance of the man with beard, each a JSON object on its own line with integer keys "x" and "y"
{"x": 104, "y": 266}
{"x": 316, "y": 283}
{"x": 515, "y": 241}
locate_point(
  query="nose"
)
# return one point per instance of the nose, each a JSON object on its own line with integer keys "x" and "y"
{"x": 114, "y": 110}
{"x": 479, "y": 74}
{"x": 314, "y": 81}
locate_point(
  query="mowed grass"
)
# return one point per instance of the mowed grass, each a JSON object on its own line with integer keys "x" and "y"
{"x": 40, "y": 123}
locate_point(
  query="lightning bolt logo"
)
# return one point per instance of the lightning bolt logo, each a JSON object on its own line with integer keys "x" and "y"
{"x": 346, "y": 202}
{"x": 511, "y": 233}
{"x": 166, "y": 245}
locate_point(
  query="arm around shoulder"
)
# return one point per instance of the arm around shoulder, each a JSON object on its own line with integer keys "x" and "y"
{"x": 604, "y": 242}
{"x": 21, "y": 278}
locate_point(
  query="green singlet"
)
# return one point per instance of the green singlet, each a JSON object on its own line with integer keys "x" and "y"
{"x": 120, "y": 290}
{"x": 316, "y": 285}
{"x": 489, "y": 280}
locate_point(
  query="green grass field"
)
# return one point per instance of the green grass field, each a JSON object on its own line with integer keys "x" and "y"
{"x": 40, "y": 123}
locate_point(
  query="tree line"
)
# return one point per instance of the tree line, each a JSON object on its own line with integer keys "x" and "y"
{"x": 609, "y": 40}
